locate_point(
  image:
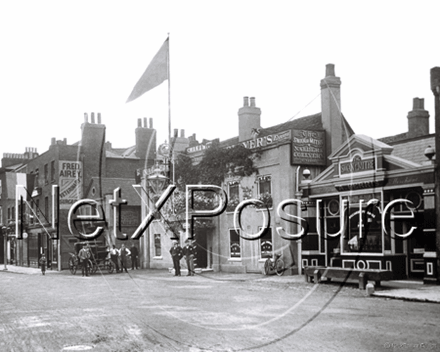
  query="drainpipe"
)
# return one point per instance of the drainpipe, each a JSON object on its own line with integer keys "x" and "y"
{"x": 299, "y": 242}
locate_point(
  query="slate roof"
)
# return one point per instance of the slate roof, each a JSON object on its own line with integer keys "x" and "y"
{"x": 414, "y": 149}
{"x": 110, "y": 184}
{"x": 311, "y": 122}
{"x": 122, "y": 153}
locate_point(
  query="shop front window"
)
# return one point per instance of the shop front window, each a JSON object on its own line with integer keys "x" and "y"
{"x": 363, "y": 233}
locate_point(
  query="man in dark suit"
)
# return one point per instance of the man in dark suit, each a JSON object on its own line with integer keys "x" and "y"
{"x": 188, "y": 252}
{"x": 176, "y": 254}
{"x": 134, "y": 257}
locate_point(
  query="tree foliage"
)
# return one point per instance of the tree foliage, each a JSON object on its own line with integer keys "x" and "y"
{"x": 214, "y": 166}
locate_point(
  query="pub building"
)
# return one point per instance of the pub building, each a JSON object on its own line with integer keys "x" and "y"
{"x": 281, "y": 153}
{"x": 353, "y": 220}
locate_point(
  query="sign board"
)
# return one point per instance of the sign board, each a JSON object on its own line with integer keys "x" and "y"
{"x": 270, "y": 139}
{"x": 71, "y": 182}
{"x": 357, "y": 165}
{"x": 308, "y": 147}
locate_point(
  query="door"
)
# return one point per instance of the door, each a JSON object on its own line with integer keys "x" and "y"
{"x": 201, "y": 256}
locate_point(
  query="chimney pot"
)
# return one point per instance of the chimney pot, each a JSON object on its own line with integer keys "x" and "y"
{"x": 246, "y": 101}
{"x": 139, "y": 122}
{"x": 92, "y": 118}
{"x": 253, "y": 101}
{"x": 182, "y": 133}
{"x": 330, "y": 70}
{"x": 86, "y": 117}
{"x": 99, "y": 117}
{"x": 151, "y": 122}
{"x": 145, "y": 122}
{"x": 52, "y": 141}
{"x": 176, "y": 132}
{"x": 418, "y": 104}
{"x": 65, "y": 141}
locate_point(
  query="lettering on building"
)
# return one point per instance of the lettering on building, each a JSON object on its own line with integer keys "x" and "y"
{"x": 357, "y": 165}
{"x": 71, "y": 182}
{"x": 308, "y": 147}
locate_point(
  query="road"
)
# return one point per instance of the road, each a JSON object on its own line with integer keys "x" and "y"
{"x": 150, "y": 310}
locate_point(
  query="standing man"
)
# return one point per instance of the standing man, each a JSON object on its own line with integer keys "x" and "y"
{"x": 134, "y": 257}
{"x": 84, "y": 255}
{"x": 188, "y": 252}
{"x": 176, "y": 254}
{"x": 123, "y": 254}
{"x": 114, "y": 254}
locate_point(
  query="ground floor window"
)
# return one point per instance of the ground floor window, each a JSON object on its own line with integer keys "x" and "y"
{"x": 157, "y": 246}
{"x": 234, "y": 237}
{"x": 266, "y": 244}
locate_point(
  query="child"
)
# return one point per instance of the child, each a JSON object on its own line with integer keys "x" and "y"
{"x": 43, "y": 261}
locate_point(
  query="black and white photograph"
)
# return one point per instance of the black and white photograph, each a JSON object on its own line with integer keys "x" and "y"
{"x": 209, "y": 176}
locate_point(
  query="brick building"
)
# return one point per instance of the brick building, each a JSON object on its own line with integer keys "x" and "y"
{"x": 91, "y": 169}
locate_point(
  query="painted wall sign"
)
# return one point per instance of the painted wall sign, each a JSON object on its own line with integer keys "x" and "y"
{"x": 197, "y": 148}
{"x": 270, "y": 139}
{"x": 308, "y": 147}
{"x": 71, "y": 182}
{"x": 357, "y": 165}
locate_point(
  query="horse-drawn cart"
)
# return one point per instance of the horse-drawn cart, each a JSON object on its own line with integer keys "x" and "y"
{"x": 99, "y": 259}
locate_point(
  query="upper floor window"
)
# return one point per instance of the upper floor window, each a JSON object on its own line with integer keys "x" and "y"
{"x": 264, "y": 184}
{"x": 233, "y": 199}
{"x": 52, "y": 170}
{"x": 46, "y": 174}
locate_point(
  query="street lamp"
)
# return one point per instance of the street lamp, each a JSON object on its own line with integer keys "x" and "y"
{"x": 157, "y": 180}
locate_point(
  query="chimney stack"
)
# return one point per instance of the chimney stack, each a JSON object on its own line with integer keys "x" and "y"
{"x": 331, "y": 115}
{"x": 248, "y": 119}
{"x": 86, "y": 118}
{"x": 52, "y": 141}
{"x": 145, "y": 122}
{"x": 139, "y": 123}
{"x": 99, "y": 117}
{"x": 182, "y": 133}
{"x": 151, "y": 122}
{"x": 92, "y": 118}
{"x": 418, "y": 119}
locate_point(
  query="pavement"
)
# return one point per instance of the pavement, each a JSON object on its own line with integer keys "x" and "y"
{"x": 395, "y": 289}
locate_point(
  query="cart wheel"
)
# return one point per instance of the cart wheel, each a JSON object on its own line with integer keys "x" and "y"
{"x": 72, "y": 266}
{"x": 279, "y": 267}
{"x": 110, "y": 266}
{"x": 267, "y": 267}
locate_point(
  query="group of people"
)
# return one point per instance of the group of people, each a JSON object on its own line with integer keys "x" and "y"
{"x": 177, "y": 253}
{"x": 118, "y": 257}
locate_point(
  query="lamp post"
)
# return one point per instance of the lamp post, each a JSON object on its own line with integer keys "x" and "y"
{"x": 157, "y": 180}
{"x": 5, "y": 248}
{"x": 435, "y": 87}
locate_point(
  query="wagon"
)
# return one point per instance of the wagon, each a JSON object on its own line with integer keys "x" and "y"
{"x": 99, "y": 259}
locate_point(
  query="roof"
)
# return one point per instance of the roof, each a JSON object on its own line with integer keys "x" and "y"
{"x": 108, "y": 185}
{"x": 122, "y": 153}
{"x": 311, "y": 122}
{"x": 414, "y": 149}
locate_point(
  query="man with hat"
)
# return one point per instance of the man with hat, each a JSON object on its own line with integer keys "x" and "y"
{"x": 188, "y": 252}
{"x": 176, "y": 254}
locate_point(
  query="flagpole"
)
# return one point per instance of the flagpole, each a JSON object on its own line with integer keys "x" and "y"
{"x": 169, "y": 92}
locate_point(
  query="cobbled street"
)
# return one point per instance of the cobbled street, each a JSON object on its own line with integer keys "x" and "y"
{"x": 151, "y": 310}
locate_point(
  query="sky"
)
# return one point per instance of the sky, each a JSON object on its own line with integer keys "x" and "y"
{"x": 61, "y": 59}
